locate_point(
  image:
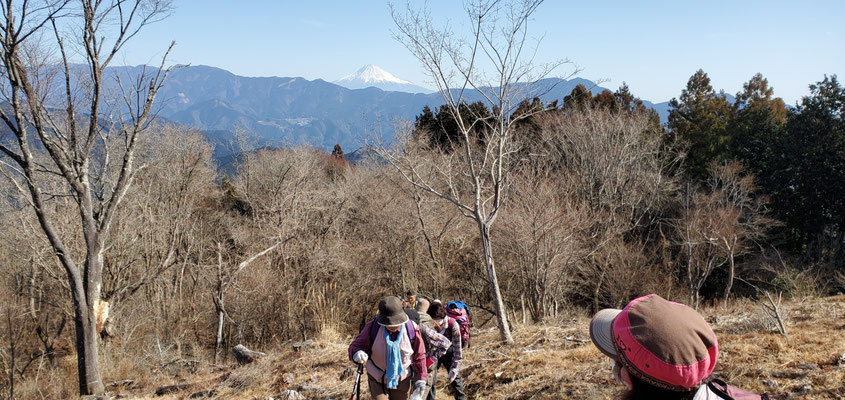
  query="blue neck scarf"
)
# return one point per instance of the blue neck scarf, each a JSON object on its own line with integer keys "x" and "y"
{"x": 394, "y": 359}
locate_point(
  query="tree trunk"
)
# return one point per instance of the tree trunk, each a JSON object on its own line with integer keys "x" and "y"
{"x": 690, "y": 279}
{"x": 11, "y": 353}
{"x": 504, "y": 328}
{"x": 219, "y": 298}
{"x": 87, "y": 358}
{"x": 598, "y": 291}
{"x": 522, "y": 304}
{"x": 92, "y": 276}
{"x": 220, "y": 317}
{"x": 401, "y": 275}
{"x": 731, "y": 274}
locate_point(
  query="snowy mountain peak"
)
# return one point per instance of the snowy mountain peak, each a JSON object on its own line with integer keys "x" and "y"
{"x": 372, "y": 76}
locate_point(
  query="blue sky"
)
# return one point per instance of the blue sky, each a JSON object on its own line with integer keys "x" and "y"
{"x": 654, "y": 46}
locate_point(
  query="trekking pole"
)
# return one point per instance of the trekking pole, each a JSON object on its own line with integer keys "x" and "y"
{"x": 356, "y": 389}
{"x": 358, "y": 381}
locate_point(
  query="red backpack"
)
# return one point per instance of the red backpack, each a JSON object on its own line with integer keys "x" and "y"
{"x": 729, "y": 392}
{"x": 459, "y": 311}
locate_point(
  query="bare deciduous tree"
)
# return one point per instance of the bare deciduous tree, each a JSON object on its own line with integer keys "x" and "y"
{"x": 718, "y": 223}
{"x": 702, "y": 256}
{"x": 225, "y": 278}
{"x": 475, "y": 177}
{"x": 617, "y": 175}
{"x": 541, "y": 235}
{"x": 741, "y": 213}
{"x": 77, "y": 131}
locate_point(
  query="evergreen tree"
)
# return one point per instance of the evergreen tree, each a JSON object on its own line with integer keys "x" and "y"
{"x": 699, "y": 119}
{"x": 535, "y": 107}
{"x": 578, "y": 99}
{"x": 626, "y": 101}
{"x": 756, "y": 129}
{"x": 811, "y": 192}
{"x": 606, "y": 100}
{"x": 426, "y": 121}
{"x": 441, "y": 129}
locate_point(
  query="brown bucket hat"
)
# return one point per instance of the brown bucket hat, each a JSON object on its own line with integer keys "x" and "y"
{"x": 666, "y": 344}
{"x": 390, "y": 312}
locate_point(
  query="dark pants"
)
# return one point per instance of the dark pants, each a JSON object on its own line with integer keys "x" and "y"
{"x": 379, "y": 392}
{"x": 457, "y": 385}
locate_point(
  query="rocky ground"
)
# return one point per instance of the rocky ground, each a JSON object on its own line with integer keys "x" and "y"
{"x": 555, "y": 361}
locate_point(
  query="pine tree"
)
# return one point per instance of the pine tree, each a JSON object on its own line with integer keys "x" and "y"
{"x": 606, "y": 100}
{"x": 626, "y": 101}
{"x": 441, "y": 130}
{"x": 757, "y": 127}
{"x": 811, "y": 192}
{"x": 699, "y": 119}
{"x": 578, "y": 99}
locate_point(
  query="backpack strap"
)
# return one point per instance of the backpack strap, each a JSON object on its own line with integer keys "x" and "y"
{"x": 722, "y": 389}
{"x": 373, "y": 330}
{"x": 445, "y": 323}
{"x": 412, "y": 332}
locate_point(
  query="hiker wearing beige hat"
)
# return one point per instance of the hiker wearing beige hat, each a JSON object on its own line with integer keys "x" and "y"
{"x": 662, "y": 350}
{"x": 392, "y": 351}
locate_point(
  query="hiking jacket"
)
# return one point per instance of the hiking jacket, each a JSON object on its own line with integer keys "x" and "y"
{"x": 452, "y": 331}
{"x": 436, "y": 344}
{"x": 364, "y": 343}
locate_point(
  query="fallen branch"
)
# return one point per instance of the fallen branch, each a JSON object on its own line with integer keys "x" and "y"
{"x": 773, "y": 311}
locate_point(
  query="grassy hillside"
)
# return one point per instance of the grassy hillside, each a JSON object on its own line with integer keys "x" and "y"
{"x": 555, "y": 361}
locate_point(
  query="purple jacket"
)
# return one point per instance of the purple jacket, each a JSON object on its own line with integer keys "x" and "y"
{"x": 364, "y": 343}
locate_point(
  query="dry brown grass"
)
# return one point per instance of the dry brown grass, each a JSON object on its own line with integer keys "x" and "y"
{"x": 557, "y": 361}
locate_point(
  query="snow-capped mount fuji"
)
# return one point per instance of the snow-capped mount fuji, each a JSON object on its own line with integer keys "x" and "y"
{"x": 373, "y": 76}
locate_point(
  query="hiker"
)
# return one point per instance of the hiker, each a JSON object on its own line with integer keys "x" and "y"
{"x": 392, "y": 350}
{"x": 410, "y": 301}
{"x": 422, "y": 311}
{"x": 662, "y": 350}
{"x": 459, "y": 311}
{"x": 436, "y": 345}
{"x": 452, "y": 359}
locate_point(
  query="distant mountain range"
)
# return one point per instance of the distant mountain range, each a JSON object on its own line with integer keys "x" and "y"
{"x": 279, "y": 111}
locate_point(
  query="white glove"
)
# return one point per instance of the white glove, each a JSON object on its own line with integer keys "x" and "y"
{"x": 360, "y": 357}
{"x": 453, "y": 373}
{"x": 419, "y": 388}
